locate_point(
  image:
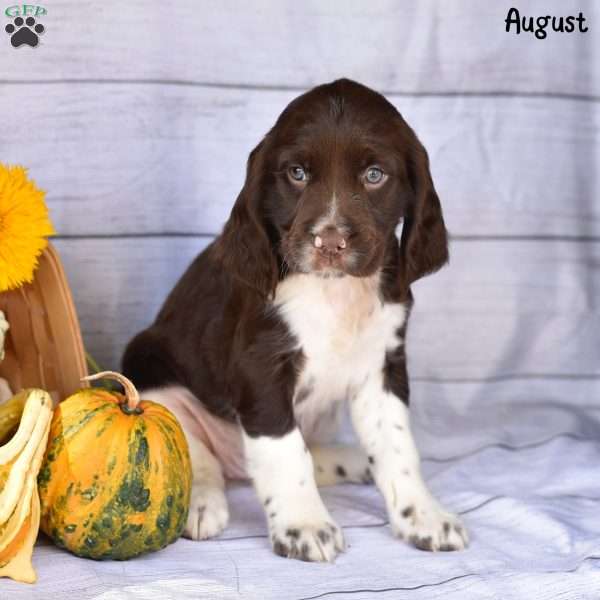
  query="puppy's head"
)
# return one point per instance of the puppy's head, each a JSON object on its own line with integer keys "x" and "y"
{"x": 326, "y": 189}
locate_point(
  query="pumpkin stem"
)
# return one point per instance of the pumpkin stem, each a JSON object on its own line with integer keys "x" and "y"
{"x": 131, "y": 394}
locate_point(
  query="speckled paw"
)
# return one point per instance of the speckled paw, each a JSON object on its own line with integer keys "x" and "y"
{"x": 427, "y": 526}
{"x": 316, "y": 542}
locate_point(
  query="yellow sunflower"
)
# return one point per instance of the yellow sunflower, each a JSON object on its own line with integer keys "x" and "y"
{"x": 24, "y": 225}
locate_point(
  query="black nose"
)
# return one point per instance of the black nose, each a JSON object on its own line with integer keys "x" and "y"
{"x": 330, "y": 241}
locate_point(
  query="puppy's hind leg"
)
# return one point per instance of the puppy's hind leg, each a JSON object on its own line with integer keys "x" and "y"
{"x": 340, "y": 464}
{"x": 208, "y": 514}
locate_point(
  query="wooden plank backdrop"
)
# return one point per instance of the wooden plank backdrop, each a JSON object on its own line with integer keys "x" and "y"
{"x": 123, "y": 158}
{"x": 140, "y": 124}
{"x": 504, "y": 304}
{"x": 424, "y": 47}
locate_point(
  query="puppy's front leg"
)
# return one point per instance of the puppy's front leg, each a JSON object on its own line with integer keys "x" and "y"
{"x": 299, "y": 524}
{"x": 381, "y": 421}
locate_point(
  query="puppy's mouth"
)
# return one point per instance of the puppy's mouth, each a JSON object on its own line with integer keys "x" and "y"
{"x": 328, "y": 264}
{"x": 329, "y": 251}
{"x": 311, "y": 257}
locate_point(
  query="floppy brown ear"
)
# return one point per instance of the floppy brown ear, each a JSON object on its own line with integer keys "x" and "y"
{"x": 244, "y": 246}
{"x": 424, "y": 241}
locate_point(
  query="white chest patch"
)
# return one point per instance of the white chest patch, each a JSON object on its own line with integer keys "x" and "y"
{"x": 344, "y": 330}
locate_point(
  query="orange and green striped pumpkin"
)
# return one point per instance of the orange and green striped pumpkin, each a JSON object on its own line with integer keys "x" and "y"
{"x": 116, "y": 476}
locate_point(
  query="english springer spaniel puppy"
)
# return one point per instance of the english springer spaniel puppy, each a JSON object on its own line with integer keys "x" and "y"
{"x": 298, "y": 309}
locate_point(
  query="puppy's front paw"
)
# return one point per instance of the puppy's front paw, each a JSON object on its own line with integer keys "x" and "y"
{"x": 208, "y": 513}
{"x": 320, "y": 541}
{"x": 425, "y": 524}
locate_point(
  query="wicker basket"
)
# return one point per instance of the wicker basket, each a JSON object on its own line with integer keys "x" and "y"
{"x": 43, "y": 347}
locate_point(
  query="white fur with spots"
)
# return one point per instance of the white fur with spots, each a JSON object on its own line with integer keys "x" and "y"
{"x": 381, "y": 421}
{"x": 344, "y": 330}
{"x": 300, "y": 526}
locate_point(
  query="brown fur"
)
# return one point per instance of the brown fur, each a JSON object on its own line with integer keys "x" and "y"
{"x": 217, "y": 333}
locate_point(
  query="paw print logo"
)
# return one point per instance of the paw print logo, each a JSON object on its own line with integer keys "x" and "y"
{"x": 24, "y": 31}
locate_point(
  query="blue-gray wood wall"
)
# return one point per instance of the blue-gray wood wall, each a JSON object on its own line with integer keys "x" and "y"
{"x": 137, "y": 118}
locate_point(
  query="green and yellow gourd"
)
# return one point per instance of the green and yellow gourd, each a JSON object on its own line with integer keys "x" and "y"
{"x": 116, "y": 477}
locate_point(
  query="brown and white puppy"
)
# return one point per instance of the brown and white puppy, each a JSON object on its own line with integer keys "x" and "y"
{"x": 298, "y": 308}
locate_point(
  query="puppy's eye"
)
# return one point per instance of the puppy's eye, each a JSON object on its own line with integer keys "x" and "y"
{"x": 374, "y": 176}
{"x": 297, "y": 173}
